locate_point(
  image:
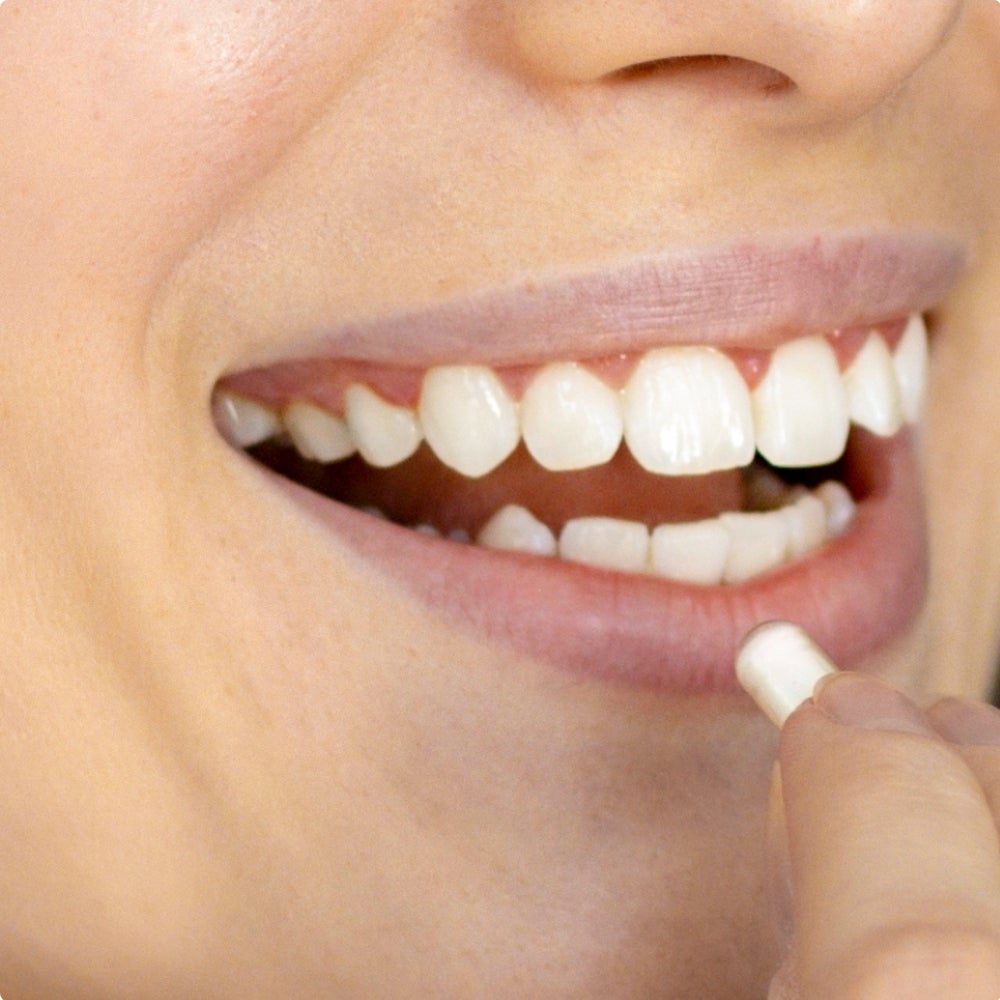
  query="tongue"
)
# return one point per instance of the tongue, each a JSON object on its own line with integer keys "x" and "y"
{"x": 423, "y": 491}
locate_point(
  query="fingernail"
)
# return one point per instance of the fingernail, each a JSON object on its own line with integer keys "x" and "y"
{"x": 966, "y": 722}
{"x": 778, "y": 665}
{"x": 868, "y": 703}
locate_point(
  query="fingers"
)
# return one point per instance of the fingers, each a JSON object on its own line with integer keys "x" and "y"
{"x": 891, "y": 833}
{"x": 893, "y": 851}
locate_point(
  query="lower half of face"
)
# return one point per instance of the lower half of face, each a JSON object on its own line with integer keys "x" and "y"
{"x": 408, "y": 409}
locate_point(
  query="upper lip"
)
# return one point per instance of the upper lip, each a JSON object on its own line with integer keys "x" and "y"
{"x": 751, "y": 294}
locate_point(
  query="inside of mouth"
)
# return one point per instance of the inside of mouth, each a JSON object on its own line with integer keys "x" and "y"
{"x": 422, "y": 492}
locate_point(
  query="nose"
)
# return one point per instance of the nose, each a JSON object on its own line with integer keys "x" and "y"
{"x": 830, "y": 58}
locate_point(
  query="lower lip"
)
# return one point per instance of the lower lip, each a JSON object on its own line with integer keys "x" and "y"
{"x": 854, "y": 596}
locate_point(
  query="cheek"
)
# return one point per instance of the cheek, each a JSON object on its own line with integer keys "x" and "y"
{"x": 130, "y": 127}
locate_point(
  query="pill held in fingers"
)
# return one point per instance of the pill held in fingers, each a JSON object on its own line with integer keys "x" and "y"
{"x": 779, "y": 665}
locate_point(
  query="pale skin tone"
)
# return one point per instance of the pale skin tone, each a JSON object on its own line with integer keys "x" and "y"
{"x": 217, "y": 782}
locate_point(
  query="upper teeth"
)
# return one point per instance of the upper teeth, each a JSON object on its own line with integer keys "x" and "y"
{"x": 800, "y": 407}
{"x": 683, "y": 411}
{"x": 469, "y": 420}
{"x": 570, "y": 419}
{"x": 687, "y": 411}
{"x": 385, "y": 434}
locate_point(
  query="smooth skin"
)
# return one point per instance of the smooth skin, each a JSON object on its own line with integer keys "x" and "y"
{"x": 222, "y": 775}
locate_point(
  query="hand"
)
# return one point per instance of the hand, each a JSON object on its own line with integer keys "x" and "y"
{"x": 884, "y": 829}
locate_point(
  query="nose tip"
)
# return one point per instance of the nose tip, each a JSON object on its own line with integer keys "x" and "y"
{"x": 836, "y": 58}
{"x": 860, "y": 53}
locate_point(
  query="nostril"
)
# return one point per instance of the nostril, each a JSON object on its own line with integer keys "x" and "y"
{"x": 818, "y": 61}
{"x": 728, "y": 72}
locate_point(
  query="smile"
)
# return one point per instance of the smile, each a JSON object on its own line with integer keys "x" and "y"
{"x": 701, "y": 487}
{"x": 675, "y": 412}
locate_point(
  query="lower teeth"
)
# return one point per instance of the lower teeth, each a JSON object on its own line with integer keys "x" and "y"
{"x": 728, "y": 549}
{"x": 780, "y": 519}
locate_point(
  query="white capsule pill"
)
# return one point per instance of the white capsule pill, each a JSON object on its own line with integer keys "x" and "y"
{"x": 779, "y": 665}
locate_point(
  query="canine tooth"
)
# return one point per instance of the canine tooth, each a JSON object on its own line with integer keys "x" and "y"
{"x": 687, "y": 412}
{"x": 384, "y": 434}
{"x": 839, "y": 506}
{"x": 468, "y": 419}
{"x": 806, "y": 523}
{"x": 607, "y": 543}
{"x": 243, "y": 422}
{"x": 690, "y": 553}
{"x": 516, "y": 529}
{"x": 758, "y": 543}
{"x": 873, "y": 395}
{"x": 316, "y": 434}
{"x": 910, "y": 363}
{"x": 570, "y": 419}
{"x": 800, "y": 406}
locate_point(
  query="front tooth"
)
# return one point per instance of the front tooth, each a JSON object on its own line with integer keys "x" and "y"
{"x": 910, "y": 362}
{"x": 800, "y": 406}
{"x": 687, "y": 412}
{"x": 606, "y": 543}
{"x": 805, "y": 521}
{"x": 758, "y": 543}
{"x": 570, "y": 419}
{"x": 244, "y": 422}
{"x": 316, "y": 434}
{"x": 385, "y": 434}
{"x": 696, "y": 552}
{"x": 873, "y": 389}
{"x": 516, "y": 529}
{"x": 468, "y": 419}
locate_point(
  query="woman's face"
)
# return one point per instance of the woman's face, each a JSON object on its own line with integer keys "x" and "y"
{"x": 327, "y": 745}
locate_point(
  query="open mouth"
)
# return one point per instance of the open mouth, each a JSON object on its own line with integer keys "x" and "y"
{"x": 617, "y": 473}
{"x": 691, "y": 464}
